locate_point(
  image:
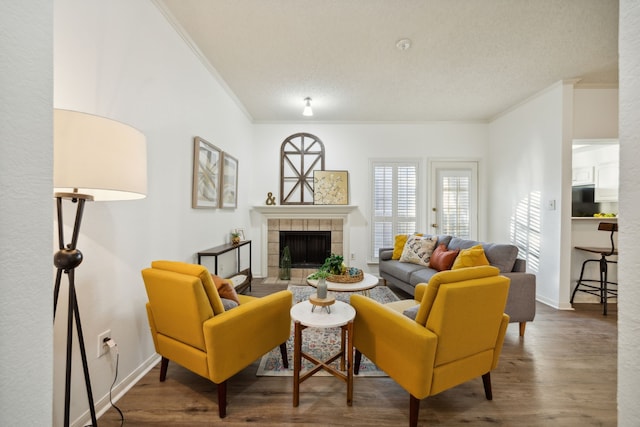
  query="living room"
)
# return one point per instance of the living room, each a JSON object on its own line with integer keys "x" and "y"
{"x": 125, "y": 61}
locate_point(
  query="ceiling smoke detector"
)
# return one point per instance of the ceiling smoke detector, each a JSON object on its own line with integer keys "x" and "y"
{"x": 403, "y": 44}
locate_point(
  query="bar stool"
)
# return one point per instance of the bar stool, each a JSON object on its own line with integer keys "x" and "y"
{"x": 602, "y": 289}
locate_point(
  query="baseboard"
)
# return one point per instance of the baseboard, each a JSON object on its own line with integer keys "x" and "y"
{"x": 103, "y": 404}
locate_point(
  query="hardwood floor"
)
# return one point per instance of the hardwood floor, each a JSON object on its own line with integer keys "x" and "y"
{"x": 562, "y": 373}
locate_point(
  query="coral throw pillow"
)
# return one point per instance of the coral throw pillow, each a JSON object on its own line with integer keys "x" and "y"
{"x": 418, "y": 249}
{"x": 225, "y": 288}
{"x": 472, "y": 257}
{"x": 398, "y": 246}
{"x": 442, "y": 259}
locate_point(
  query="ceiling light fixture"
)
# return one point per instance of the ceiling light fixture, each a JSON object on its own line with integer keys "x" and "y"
{"x": 403, "y": 44}
{"x": 307, "y": 107}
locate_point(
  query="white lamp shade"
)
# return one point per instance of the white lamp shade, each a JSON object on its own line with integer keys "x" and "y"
{"x": 98, "y": 157}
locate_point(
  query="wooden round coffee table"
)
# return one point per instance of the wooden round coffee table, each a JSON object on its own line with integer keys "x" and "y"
{"x": 369, "y": 281}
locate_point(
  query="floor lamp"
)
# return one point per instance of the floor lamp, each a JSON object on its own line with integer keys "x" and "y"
{"x": 94, "y": 159}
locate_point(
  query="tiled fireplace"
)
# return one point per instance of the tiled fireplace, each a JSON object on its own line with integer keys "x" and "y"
{"x": 300, "y": 218}
{"x": 274, "y": 226}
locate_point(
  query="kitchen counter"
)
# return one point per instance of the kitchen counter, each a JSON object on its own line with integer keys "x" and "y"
{"x": 602, "y": 219}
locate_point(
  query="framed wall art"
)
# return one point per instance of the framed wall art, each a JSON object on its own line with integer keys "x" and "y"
{"x": 207, "y": 163}
{"x": 229, "y": 185}
{"x": 330, "y": 187}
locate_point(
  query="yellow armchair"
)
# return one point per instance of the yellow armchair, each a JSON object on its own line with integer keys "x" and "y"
{"x": 457, "y": 334}
{"x": 190, "y": 326}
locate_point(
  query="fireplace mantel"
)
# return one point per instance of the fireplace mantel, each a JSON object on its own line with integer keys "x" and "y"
{"x": 305, "y": 211}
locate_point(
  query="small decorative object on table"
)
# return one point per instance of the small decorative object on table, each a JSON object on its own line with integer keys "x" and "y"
{"x": 337, "y": 271}
{"x": 235, "y": 237}
{"x": 321, "y": 299}
{"x": 350, "y": 275}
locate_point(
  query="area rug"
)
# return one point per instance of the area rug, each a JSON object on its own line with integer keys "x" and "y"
{"x": 321, "y": 343}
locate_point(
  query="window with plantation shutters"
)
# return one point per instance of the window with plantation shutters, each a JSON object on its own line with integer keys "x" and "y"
{"x": 394, "y": 200}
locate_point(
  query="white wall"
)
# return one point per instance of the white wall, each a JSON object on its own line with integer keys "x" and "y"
{"x": 26, "y": 300}
{"x": 350, "y": 147}
{"x": 528, "y": 151}
{"x": 123, "y": 60}
{"x": 629, "y": 238}
{"x": 595, "y": 114}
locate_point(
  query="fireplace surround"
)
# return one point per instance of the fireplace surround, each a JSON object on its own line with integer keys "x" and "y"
{"x": 273, "y": 219}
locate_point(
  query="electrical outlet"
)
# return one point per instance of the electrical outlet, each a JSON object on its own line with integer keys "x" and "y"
{"x": 353, "y": 256}
{"x": 102, "y": 347}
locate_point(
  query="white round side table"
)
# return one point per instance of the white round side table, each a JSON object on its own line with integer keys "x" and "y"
{"x": 342, "y": 315}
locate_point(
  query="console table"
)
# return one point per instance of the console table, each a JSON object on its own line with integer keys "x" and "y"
{"x": 242, "y": 279}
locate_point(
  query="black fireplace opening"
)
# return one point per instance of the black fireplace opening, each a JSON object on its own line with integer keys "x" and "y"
{"x": 308, "y": 249}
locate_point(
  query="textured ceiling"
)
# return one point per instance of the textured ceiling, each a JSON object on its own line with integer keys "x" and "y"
{"x": 469, "y": 59}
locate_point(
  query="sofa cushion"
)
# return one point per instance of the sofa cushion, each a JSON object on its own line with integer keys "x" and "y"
{"x": 499, "y": 255}
{"x": 502, "y": 256}
{"x": 418, "y": 249}
{"x": 442, "y": 259}
{"x": 399, "y": 270}
{"x": 471, "y": 257}
{"x": 458, "y": 243}
{"x": 422, "y": 275}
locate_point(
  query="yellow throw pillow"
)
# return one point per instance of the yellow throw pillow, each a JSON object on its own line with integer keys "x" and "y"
{"x": 398, "y": 246}
{"x": 472, "y": 257}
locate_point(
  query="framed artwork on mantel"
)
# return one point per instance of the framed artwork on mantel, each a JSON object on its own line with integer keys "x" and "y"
{"x": 229, "y": 181}
{"x": 330, "y": 187}
{"x": 206, "y": 174}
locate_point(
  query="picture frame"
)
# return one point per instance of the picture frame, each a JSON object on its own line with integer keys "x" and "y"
{"x": 330, "y": 187}
{"x": 240, "y": 232}
{"x": 207, "y": 164}
{"x": 229, "y": 186}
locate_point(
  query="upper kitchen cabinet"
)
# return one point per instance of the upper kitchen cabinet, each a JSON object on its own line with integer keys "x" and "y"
{"x": 596, "y": 162}
{"x": 606, "y": 174}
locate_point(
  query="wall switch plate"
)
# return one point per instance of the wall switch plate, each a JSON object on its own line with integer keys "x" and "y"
{"x": 551, "y": 205}
{"x": 102, "y": 347}
{"x": 353, "y": 257}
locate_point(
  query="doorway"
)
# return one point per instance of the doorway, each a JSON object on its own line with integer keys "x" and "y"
{"x": 454, "y": 200}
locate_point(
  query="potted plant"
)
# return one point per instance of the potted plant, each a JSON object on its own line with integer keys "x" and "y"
{"x": 334, "y": 264}
{"x": 235, "y": 237}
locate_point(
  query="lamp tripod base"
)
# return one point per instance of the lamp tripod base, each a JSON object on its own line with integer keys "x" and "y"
{"x": 66, "y": 260}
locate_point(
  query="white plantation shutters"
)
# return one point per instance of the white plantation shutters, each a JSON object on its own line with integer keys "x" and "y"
{"x": 394, "y": 209}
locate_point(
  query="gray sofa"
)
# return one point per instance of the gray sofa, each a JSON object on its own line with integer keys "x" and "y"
{"x": 521, "y": 303}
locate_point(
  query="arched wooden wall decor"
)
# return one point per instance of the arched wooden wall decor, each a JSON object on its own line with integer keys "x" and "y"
{"x": 300, "y": 155}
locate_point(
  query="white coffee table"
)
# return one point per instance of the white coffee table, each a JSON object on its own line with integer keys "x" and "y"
{"x": 342, "y": 315}
{"x": 369, "y": 281}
